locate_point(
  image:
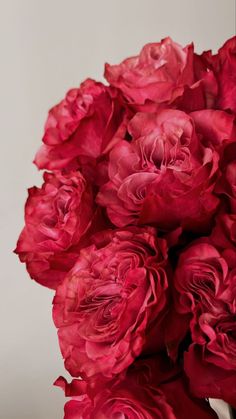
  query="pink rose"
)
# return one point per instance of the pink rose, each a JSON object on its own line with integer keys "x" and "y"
{"x": 56, "y": 218}
{"x": 110, "y": 306}
{"x": 165, "y": 176}
{"x": 163, "y": 74}
{"x": 205, "y": 291}
{"x": 80, "y": 128}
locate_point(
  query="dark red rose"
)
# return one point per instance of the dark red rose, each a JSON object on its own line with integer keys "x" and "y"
{"x": 57, "y": 216}
{"x": 206, "y": 378}
{"x": 205, "y": 291}
{"x": 80, "y": 128}
{"x": 183, "y": 403}
{"x": 164, "y": 176}
{"x": 110, "y": 306}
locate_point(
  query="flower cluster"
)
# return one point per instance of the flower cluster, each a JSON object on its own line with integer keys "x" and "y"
{"x": 134, "y": 228}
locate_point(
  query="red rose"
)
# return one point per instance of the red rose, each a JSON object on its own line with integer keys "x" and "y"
{"x": 201, "y": 273}
{"x": 149, "y": 389}
{"x": 79, "y": 129}
{"x": 224, "y": 237}
{"x": 215, "y": 128}
{"x": 226, "y": 74}
{"x": 223, "y": 65}
{"x": 56, "y": 217}
{"x": 206, "y": 292}
{"x": 226, "y": 185}
{"x": 110, "y": 306}
{"x": 163, "y": 74}
{"x": 128, "y": 399}
{"x": 164, "y": 176}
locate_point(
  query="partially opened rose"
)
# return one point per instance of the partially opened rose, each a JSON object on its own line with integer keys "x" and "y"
{"x": 206, "y": 290}
{"x": 57, "y": 215}
{"x": 110, "y": 306}
{"x": 165, "y": 176}
{"x": 157, "y": 74}
{"x": 164, "y": 74}
{"x": 80, "y": 127}
{"x": 224, "y": 237}
{"x": 226, "y": 75}
{"x": 149, "y": 389}
{"x": 226, "y": 185}
{"x": 216, "y": 129}
{"x": 127, "y": 399}
{"x": 223, "y": 65}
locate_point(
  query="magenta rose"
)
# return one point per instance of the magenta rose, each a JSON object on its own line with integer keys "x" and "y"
{"x": 163, "y": 74}
{"x": 80, "y": 128}
{"x": 110, "y": 306}
{"x": 205, "y": 291}
{"x": 165, "y": 176}
{"x": 57, "y": 215}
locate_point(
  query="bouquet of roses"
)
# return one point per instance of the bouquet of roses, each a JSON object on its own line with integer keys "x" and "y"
{"x": 134, "y": 228}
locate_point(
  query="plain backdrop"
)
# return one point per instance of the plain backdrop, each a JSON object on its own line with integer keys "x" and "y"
{"x": 48, "y": 46}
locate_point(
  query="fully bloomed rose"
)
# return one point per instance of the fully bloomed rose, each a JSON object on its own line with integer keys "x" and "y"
{"x": 111, "y": 304}
{"x": 165, "y": 176}
{"x": 205, "y": 291}
{"x": 57, "y": 215}
{"x": 163, "y": 74}
{"x": 146, "y": 392}
{"x": 80, "y": 128}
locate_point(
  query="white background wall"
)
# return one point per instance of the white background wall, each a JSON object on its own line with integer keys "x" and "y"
{"x": 48, "y": 46}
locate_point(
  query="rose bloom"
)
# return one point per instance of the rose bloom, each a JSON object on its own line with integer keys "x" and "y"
{"x": 111, "y": 305}
{"x": 57, "y": 216}
{"x": 127, "y": 399}
{"x": 205, "y": 290}
{"x": 224, "y": 237}
{"x": 163, "y": 74}
{"x": 80, "y": 128}
{"x": 226, "y": 185}
{"x": 165, "y": 176}
{"x": 215, "y": 128}
{"x": 146, "y": 391}
{"x": 223, "y": 64}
